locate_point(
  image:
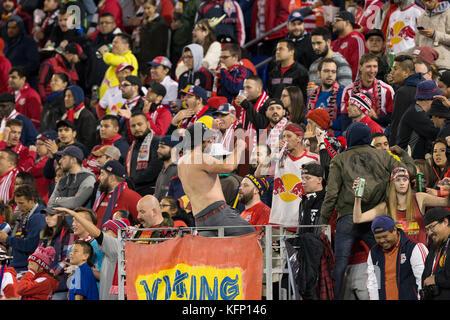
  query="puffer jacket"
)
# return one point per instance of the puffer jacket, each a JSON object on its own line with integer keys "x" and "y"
{"x": 439, "y": 20}
{"x": 357, "y": 161}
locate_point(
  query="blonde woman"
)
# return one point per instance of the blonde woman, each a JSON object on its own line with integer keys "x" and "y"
{"x": 403, "y": 205}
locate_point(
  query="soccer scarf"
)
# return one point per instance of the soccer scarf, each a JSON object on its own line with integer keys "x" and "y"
{"x": 5, "y": 184}
{"x": 332, "y": 107}
{"x": 143, "y": 154}
{"x": 227, "y": 138}
{"x": 115, "y": 195}
{"x": 274, "y": 135}
{"x": 376, "y": 96}
{"x": 189, "y": 121}
{"x": 70, "y": 114}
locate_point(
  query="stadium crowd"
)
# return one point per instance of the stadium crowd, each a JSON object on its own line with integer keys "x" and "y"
{"x": 338, "y": 113}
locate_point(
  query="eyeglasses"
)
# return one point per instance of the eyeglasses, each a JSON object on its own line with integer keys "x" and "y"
{"x": 124, "y": 85}
{"x": 431, "y": 228}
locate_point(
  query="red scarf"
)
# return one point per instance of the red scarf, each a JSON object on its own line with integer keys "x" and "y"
{"x": 70, "y": 114}
{"x": 332, "y": 102}
{"x": 110, "y": 141}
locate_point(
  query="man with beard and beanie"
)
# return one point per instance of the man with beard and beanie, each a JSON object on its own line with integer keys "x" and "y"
{"x": 158, "y": 114}
{"x": 321, "y": 43}
{"x": 313, "y": 185}
{"x": 436, "y": 275}
{"x": 199, "y": 175}
{"x": 115, "y": 193}
{"x": 350, "y": 42}
{"x": 142, "y": 163}
{"x": 250, "y": 191}
{"x": 75, "y": 187}
{"x": 359, "y": 160}
{"x": 169, "y": 170}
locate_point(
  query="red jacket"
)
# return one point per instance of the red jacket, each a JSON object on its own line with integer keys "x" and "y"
{"x": 28, "y": 103}
{"x": 5, "y": 66}
{"x": 160, "y": 120}
{"x": 276, "y": 12}
{"x": 352, "y": 47}
{"x": 34, "y": 286}
{"x": 42, "y": 183}
{"x": 9, "y": 284}
{"x": 26, "y": 157}
{"x": 51, "y": 66}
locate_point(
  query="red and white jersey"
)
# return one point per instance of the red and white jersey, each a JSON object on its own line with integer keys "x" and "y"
{"x": 365, "y": 17}
{"x": 382, "y": 101}
{"x": 288, "y": 188}
{"x": 352, "y": 47}
{"x": 7, "y": 185}
{"x": 403, "y": 27}
{"x": 112, "y": 100}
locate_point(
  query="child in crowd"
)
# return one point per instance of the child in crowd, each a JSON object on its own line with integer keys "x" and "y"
{"x": 37, "y": 283}
{"x": 83, "y": 285}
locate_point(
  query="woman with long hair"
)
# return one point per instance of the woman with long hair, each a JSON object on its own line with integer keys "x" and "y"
{"x": 292, "y": 98}
{"x": 439, "y": 162}
{"x": 58, "y": 234}
{"x": 403, "y": 205}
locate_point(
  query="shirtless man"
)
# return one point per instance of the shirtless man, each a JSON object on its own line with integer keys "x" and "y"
{"x": 199, "y": 175}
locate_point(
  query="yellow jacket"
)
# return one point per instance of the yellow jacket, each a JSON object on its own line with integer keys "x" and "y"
{"x": 113, "y": 60}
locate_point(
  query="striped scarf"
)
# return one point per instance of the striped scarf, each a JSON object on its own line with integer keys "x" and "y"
{"x": 7, "y": 185}
{"x": 332, "y": 102}
{"x": 251, "y": 128}
{"x": 115, "y": 195}
{"x": 143, "y": 154}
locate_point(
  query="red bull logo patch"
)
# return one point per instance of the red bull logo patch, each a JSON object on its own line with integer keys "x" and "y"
{"x": 289, "y": 187}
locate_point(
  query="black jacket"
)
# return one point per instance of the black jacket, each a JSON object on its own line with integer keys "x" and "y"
{"x": 144, "y": 180}
{"x": 403, "y": 98}
{"x": 442, "y": 272}
{"x": 304, "y": 53}
{"x": 309, "y": 213}
{"x": 417, "y": 130}
{"x": 296, "y": 75}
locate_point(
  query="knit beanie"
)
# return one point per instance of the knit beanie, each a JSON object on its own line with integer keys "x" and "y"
{"x": 358, "y": 133}
{"x": 426, "y": 90}
{"x": 78, "y": 94}
{"x": 116, "y": 224}
{"x": 362, "y": 101}
{"x": 43, "y": 257}
{"x": 320, "y": 116}
{"x": 260, "y": 183}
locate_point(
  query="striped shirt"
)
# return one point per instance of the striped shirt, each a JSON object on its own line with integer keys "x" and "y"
{"x": 7, "y": 185}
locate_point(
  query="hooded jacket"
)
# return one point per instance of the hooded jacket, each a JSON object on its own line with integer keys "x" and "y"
{"x": 84, "y": 120}
{"x": 439, "y": 20}
{"x": 359, "y": 160}
{"x": 199, "y": 75}
{"x": 404, "y": 97}
{"x": 22, "y": 50}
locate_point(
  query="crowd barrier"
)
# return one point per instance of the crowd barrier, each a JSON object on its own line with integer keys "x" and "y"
{"x": 272, "y": 241}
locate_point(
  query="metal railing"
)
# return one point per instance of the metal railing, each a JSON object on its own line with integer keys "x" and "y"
{"x": 272, "y": 238}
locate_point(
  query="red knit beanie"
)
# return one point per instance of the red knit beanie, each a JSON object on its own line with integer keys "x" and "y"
{"x": 43, "y": 256}
{"x": 321, "y": 117}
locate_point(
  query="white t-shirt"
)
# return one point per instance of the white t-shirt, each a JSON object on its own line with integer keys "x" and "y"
{"x": 288, "y": 189}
